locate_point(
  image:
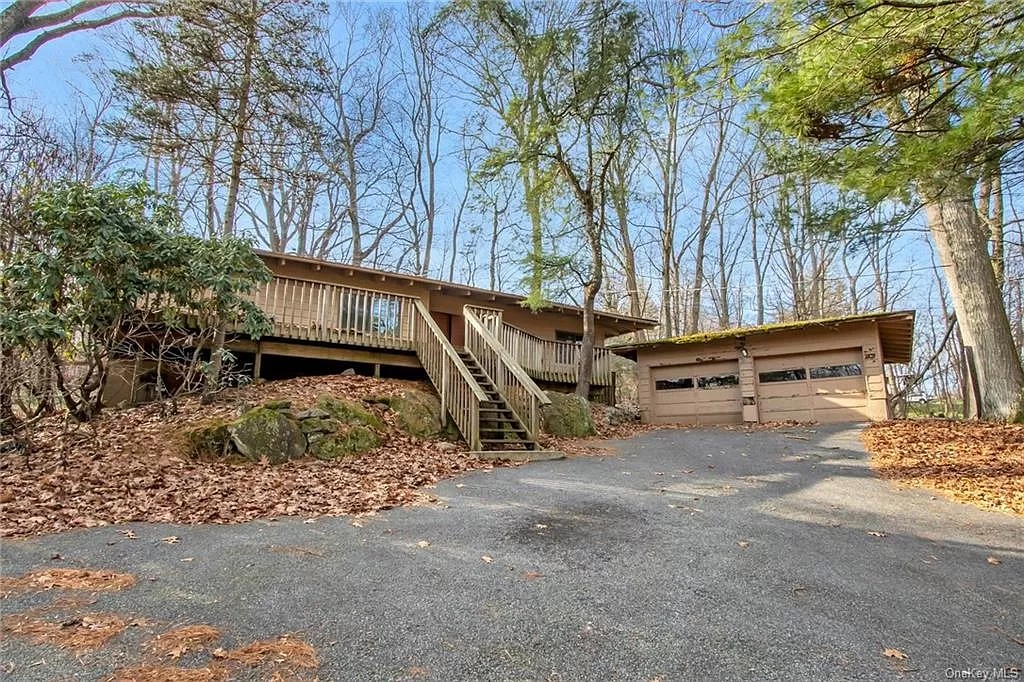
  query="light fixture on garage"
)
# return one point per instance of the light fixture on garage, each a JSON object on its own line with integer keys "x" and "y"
{"x": 744, "y": 353}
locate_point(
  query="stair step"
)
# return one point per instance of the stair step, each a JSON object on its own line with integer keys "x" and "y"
{"x": 497, "y": 441}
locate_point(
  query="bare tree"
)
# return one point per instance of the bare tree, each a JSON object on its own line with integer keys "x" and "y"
{"x": 28, "y": 18}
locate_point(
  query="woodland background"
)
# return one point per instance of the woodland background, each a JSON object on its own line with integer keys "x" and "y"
{"x": 384, "y": 134}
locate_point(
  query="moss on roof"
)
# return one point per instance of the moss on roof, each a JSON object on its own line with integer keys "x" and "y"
{"x": 737, "y": 332}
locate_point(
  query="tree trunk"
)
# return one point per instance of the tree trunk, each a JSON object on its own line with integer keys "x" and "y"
{"x": 590, "y": 291}
{"x": 621, "y": 203}
{"x": 240, "y": 127}
{"x": 962, "y": 245}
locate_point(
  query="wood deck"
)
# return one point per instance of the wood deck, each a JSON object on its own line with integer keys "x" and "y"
{"x": 322, "y": 320}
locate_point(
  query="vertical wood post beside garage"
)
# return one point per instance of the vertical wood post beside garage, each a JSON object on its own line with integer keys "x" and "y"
{"x": 829, "y": 370}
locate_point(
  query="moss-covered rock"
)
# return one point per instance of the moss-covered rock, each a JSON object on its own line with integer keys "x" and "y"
{"x": 348, "y": 411}
{"x": 264, "y": 432}
{"x": 351, "y": 441}
{"x": 416, "y": 412}
{"x": 568, "y": 415}
{"x": 278, "y": 405}
{"x": 318, "y": 425}
{"x": 210, "y": 439}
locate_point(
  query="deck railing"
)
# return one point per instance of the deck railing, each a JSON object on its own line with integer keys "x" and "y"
{"x": 522, "y": 394}
{"x": 555, "y": 361}
{"x": 460, "y": 394}
{"x": 332, "y": 313}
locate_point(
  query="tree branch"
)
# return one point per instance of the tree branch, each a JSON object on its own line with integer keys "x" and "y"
{"x": 25, "y": 53}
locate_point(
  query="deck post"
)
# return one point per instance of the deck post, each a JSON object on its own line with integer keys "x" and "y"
{"x": 257, "y": 365}
{"x": 376, "y": 370}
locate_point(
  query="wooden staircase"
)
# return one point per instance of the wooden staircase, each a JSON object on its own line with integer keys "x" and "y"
{"x": 500, "y": 429}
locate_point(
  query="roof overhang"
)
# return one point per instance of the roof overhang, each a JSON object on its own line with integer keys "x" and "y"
{"x": 616, "y": 322}
{"x": 895, "y": 332}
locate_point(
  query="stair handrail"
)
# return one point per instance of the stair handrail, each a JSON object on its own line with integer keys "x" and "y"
{"x": 549, "y": 352}
{"x": 523, "y": 395}
{"x": 460, "y": 394}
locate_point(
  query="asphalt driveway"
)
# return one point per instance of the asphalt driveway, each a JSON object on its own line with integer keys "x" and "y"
{"x": 689, "y": 554}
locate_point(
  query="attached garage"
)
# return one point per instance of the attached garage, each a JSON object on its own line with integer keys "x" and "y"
{"x": 819, "y": 370}
{"x": 701, "y": 393}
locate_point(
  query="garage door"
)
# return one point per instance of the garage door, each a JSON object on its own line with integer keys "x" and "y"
{"x": 702, "y": 393}
{"x": 823, "y": 387}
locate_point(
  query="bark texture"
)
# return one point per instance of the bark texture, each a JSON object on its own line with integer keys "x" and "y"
{"x": 961, "y": 242}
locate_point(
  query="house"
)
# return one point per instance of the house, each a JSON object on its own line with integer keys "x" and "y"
{"x": 488, "y": 357}
{"x": 828, "y": 370}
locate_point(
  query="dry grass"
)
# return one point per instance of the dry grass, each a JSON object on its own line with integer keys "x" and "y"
{"x": 83, "y": 633}
{"x": 973, "y": 462}
{"x": 164, "y": 673}
{"x": 67, "y": 579}
{"x": 287, "y": 651}
{"x": 179, "y": 641}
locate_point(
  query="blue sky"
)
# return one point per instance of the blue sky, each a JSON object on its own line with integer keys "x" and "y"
{"x": 50, "y": 80}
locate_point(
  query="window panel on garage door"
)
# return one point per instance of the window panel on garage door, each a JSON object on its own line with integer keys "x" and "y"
{"x": 826, "y": 386}
{"x": 699, "y": 393}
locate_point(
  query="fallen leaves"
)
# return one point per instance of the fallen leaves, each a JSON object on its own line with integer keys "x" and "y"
{"x": 175, "y": 643}
{"x": 894, "y": 653}
{"x": 877, "y": 533}
{"x": 487, "y": 559}
{"x": 288, "y": 651}
{"x": 743, "y": 544}
{"x": 979, "y": 463}
{"x": 423, "y": 544}
{"x": 68, "y": 579}
{"x": 65, "y": 624}
{"x": 994, "y": 560}
{"x": 104, "y": 480}
{"x": 170, "y": 540}
{"x": 87, "y": 632}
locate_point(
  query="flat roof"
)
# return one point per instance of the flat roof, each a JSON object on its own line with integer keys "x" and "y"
{"x": 895, "y": 329}
{"x": 619, "y": 322}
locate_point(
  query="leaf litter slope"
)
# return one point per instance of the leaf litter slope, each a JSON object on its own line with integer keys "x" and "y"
{"x": 980, "y": 463}
{"x": 129, "y": 465}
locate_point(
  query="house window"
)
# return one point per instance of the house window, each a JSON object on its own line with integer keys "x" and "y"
{"x": 837, "y": 371}
{"x": 795, "y": 374}
{"x": 719, "y": 381}
{"x": 673, "y": 384}
{"x": 568, "y": 337}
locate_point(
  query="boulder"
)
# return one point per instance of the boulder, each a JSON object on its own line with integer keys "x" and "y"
{"x": 568, "y": 415}
{"x": 278, "y": 405}
{"x": 352, "y": 440}
{"x": 264, "y": 432}
{"x": 210, "y": 439}
{"x": 620, "y": 415}
{"x": 348, "y": 411}
{"x": 312, "y": 413}
{"x": 318, "y": 425}
{"x": 416, "y": 412}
